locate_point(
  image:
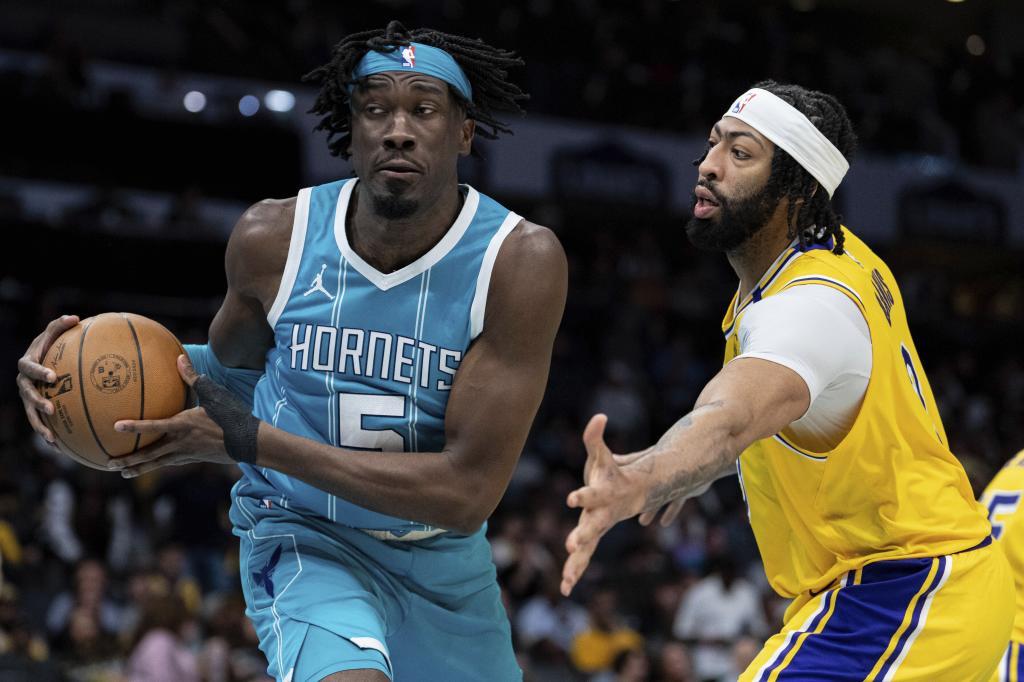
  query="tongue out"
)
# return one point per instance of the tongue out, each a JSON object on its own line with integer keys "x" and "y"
{"x": 704, "y": 208}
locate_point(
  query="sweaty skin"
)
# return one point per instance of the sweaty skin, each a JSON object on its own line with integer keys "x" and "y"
{"x": 407, "y": 135}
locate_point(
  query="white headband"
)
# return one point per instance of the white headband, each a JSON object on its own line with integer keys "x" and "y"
{"x": 792, "y": 132}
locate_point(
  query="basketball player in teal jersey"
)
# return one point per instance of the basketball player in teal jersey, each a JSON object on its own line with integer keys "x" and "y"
{"x": 397, "y": 312}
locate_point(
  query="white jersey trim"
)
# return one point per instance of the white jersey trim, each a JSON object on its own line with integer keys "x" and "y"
{"x": 291, "y": 267}
{"x": 947, "y": 567}
{"x": 483, "y": 279}
{"x": 372, "y": 643}
{"x": 386, "y": 281}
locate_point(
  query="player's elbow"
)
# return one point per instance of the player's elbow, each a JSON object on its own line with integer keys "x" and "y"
{"x": 469, "y": 515}
{"x": 471, "y": 507}
{"x": 473, "y": 486}
{"x": 467, "y": 526}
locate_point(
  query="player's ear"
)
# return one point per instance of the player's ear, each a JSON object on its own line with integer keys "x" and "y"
{"x": 466, "y": 139}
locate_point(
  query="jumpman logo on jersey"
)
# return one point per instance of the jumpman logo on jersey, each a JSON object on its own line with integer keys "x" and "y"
{"x": 318, "y": 284}
{"x": 265, "y": 577}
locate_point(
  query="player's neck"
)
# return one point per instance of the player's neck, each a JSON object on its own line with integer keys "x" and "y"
{"x": 753, "y": 258}
{"x": 391, "y": 244}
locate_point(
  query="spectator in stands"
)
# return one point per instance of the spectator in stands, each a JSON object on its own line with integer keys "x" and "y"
{"x": 86, "y": 514}
{"x": 160, "y": 652}
{"x": 88, "y": 650}
{"x": 714, "y": 613}
{"x": 89, "y": 596}
{"x": 595, "y": 649}
{"x": 522, "y": 562}
{"x": 172, "y": 565}
{"x": 674, "y": 663}
{"x": 546, "y": 626}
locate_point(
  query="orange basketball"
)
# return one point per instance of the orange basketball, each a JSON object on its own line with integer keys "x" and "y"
{"x": 110, "y": 367}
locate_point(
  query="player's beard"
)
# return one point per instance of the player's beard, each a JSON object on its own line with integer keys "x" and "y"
{"x": 737, "y": 221}
{"x": 392, "y": 205}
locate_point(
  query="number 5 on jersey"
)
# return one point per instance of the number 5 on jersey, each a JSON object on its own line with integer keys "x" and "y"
{"x": 1000, "y": 505}
{"x": 354, "y": 407}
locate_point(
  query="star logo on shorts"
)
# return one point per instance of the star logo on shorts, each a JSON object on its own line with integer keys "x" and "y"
{"x": 265, "y": 577}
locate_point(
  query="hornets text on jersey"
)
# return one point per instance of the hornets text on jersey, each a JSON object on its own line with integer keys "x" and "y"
{"x": 365, "y": 360}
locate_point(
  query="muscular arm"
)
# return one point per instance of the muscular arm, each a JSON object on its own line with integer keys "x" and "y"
{"x": 747, "y": 400}
{"x": 496, "y": 393}
{"x": 254, "y": 262}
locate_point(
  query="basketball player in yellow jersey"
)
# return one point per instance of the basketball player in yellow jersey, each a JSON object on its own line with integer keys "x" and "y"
{"x": 861, "y": 513}
{"x": 1003, "y": 498}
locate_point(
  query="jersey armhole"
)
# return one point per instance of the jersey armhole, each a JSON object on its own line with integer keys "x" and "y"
{"x": 483, "y": 279}
{"x": 291, "y": 267}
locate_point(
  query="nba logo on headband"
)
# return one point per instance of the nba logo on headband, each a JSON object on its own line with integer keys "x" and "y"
{"x": 425, "y": 59}
{"x": 742, "y": 102}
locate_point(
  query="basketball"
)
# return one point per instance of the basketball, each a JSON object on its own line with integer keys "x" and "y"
{"x": 110, "y": 367}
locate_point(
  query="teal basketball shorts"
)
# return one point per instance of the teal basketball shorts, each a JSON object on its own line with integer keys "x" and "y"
{"x": 326, "y": 598}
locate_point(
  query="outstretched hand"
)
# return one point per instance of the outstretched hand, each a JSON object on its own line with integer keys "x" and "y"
{"x": 611, "y": 493}
{"x": 189, "y": 436}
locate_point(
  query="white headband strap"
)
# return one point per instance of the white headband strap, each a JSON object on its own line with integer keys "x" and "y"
{"x": 792, "y": 132}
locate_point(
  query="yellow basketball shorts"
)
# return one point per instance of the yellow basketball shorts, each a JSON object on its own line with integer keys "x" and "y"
{"x": 935, "y": 619}
{"x": 1011, "y": 665}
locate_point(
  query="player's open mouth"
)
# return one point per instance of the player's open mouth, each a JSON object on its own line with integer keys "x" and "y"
{"x": 706, "y": 203}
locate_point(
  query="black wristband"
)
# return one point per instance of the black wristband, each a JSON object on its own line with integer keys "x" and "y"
{"x": 233, "y": 416}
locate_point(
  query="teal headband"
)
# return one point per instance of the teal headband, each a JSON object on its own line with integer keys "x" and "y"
{"x": 417, "y": 57}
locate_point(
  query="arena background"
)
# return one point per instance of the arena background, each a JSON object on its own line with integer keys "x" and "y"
{"x": 135, "y": 132}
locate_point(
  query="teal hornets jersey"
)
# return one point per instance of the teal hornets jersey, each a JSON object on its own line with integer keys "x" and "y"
{"x": 364, "y": 360}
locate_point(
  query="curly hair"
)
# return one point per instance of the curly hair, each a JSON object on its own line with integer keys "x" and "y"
{"x": 485, "y": 66}
{"x": 811, "y": 217}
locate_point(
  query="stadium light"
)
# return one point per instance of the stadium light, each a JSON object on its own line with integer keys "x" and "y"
{"x": 248, "y": 105}
{"x": 975, "y": 45}
{"x": 279, "y": 100}
{"x": 194, "y": 101}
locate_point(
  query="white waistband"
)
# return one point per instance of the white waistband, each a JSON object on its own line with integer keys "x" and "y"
{"x": 411, "y": 536}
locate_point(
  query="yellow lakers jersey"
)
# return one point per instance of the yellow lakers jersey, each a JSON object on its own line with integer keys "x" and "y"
{"x": 1003, "y": 498}
{"x": 891, "y": 488}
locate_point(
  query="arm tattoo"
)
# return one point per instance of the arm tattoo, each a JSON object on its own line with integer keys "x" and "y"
{"x": 687, "y": 482}
{"x": 694, "y": 477}
{"x": 645, "y": 462}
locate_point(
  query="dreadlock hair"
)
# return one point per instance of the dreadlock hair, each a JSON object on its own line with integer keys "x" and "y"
{"x": 486, "y": 68}
{"x": 812, "y": 220}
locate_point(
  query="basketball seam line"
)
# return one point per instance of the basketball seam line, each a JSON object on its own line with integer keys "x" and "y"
{"x": 142, "y": 379}
{"x": 85, "y": 403}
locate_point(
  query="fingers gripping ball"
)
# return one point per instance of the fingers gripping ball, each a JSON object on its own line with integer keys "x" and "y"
{"x": 110, "y": 367}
